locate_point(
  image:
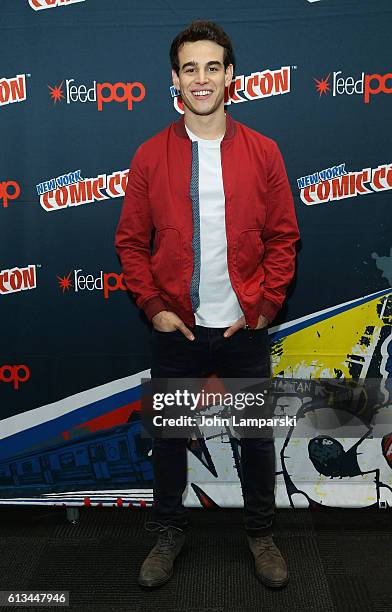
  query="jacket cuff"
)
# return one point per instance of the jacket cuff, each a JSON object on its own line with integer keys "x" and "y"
{"x": 268, "y": 309}
{"x": 153, "y": 305}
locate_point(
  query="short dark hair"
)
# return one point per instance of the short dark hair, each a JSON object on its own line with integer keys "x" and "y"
{"x": 202, "y": 30}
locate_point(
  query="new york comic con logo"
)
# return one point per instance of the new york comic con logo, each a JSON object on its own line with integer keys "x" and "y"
{"x": 98, "y": 93}
{"x": 335, "y": 183}
{"x": 246, "y": 88}
{"x": 367, "y": 85}
{"x": 71, "y": 189}
{"x": 40, "y": 5}
{"x": 18, "y": 279}
{"x": 12, "y": 89}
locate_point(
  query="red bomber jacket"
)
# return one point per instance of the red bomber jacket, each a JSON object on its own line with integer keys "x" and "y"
{"x": 261, "y": 225}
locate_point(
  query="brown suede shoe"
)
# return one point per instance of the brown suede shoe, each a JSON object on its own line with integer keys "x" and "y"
{"x": 157, "y": 567}
{"x": 270, "y": 567}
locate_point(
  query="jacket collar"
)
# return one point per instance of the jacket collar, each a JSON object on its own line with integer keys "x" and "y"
{"x": 179, "y": 128}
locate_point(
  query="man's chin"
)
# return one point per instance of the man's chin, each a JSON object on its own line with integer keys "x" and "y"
{"x": 202, "y": 113}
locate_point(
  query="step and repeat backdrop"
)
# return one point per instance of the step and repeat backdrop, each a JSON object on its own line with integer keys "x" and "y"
{"x": 82, "y": 84}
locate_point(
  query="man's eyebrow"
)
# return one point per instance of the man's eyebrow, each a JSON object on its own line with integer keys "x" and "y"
{"x": 194, "y": 64}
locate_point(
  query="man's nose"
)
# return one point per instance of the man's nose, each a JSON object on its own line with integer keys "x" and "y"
{"x": 202, "y": 76}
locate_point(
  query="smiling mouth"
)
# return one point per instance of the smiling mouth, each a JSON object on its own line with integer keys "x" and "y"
{"x": 202, "y": 94}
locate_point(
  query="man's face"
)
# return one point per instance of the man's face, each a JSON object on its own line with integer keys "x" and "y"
{"x": 202, "y": 70}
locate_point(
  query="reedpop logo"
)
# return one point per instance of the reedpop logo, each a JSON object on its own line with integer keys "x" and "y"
{"x": 367, "y": 85}
{"x": 14, "y": 374}
{"x": 100, "y": 93}
{"x": 9, "y": 190}
{"x": 105, "y": 282}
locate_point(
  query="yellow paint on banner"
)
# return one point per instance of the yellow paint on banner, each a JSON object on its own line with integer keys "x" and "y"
{"x": 335, "y": 347}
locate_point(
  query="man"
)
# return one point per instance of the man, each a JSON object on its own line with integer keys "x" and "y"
{"x": 217, "y": 195}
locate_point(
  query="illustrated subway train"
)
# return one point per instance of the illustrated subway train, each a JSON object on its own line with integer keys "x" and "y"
{"x": 107, "y": 459}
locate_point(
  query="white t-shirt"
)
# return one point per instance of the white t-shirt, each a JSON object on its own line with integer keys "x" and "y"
{"x": 219, "y": 306}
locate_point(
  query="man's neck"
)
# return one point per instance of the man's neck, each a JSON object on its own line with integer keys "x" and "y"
{"x": 208, "y": 127}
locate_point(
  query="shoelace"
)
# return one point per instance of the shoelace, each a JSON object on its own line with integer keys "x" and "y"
{"x": 149, "y": 526}
{"x": 165, "y": 542}
{"x": 166, "y": 535}
{"x": 267, "y": 546}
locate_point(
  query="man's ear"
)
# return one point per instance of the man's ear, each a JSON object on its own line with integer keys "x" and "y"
{"x": 229, "y": 75}
{"x": 175, "y": 79}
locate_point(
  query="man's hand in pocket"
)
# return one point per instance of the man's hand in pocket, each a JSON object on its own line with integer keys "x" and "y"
{"x": 262, "y": 322}
{"x": 167, "y": 321}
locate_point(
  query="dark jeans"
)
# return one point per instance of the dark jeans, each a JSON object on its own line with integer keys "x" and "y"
{"x": 243, "y": 355}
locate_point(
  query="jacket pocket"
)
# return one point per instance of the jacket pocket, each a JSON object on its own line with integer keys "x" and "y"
{"x": 166, "y": 262}
{"x": 250, "y": 251}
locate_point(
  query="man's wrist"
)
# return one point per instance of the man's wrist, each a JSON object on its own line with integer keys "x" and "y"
{"x": 153, "y": 306}
{"x": 265, "y": 317}
{"x": 268, "y": 309}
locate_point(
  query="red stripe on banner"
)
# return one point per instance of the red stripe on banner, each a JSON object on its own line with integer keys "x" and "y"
{"x": 108, "y": 420}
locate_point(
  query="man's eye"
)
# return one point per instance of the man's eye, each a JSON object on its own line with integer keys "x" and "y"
{"x": 213, "y": 68}
{"x": 189, "y": 70}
